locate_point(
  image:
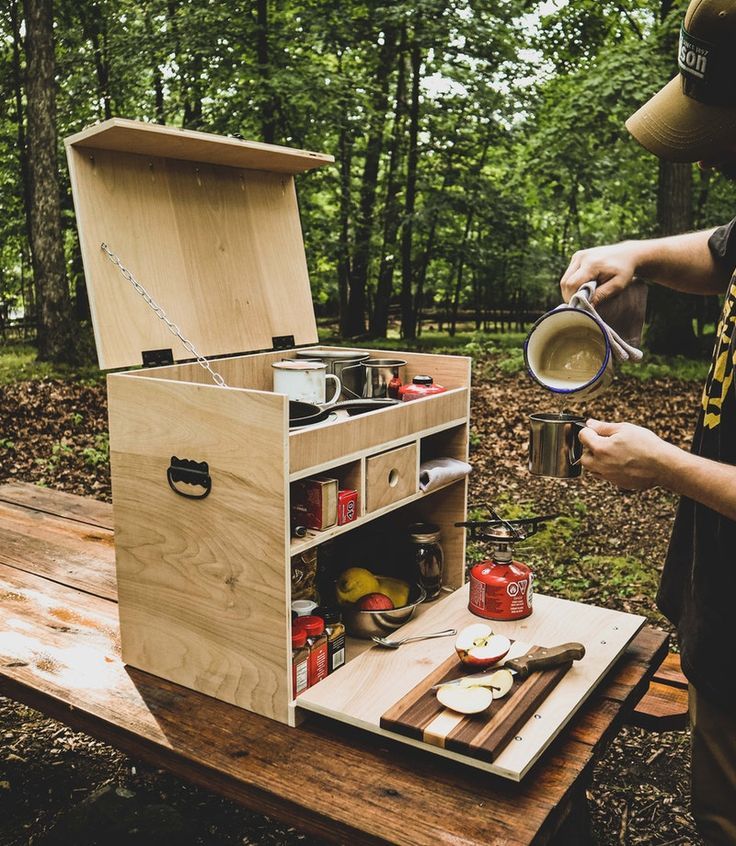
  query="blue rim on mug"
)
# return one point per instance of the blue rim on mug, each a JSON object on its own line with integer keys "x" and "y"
{"x": 585, "y": 385}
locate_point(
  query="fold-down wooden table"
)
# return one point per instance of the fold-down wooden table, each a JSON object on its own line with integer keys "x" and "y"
{"x": 59, "y": 653}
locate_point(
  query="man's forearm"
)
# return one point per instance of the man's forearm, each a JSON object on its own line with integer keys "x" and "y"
{"x": 709, "y": 482}
{"x": 682, "y": 262}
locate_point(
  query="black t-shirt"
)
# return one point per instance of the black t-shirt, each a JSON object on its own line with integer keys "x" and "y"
{"x": 698, "y": 587}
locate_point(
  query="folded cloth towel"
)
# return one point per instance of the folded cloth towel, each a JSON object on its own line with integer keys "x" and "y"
{"x": 622, "y": 350}
{"x": 441, "y": 471}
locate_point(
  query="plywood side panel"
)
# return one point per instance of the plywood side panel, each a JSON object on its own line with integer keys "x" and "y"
{"x": 368, "y": 686}
{"x": 220, "y": 249}
{"x": 152, "y": 139}
{"x": 203, "y": 583}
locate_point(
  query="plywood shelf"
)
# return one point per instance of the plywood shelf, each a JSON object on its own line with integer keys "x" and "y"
{"x": 315, "y": 538}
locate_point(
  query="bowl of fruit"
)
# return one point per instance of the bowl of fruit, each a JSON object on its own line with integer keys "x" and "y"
{"x": 375, "y": 605}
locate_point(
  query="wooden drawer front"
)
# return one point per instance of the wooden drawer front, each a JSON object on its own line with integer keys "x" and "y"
{"x": 390, "y": 476}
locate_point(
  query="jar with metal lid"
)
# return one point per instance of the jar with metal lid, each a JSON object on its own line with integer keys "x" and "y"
{"x": 427, "y": 558}
{"x": 299, "y": 661}
{"x": 335, "y": 631}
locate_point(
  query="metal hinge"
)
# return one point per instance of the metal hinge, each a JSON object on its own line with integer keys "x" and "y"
{"x": 157, "y": 358}
{"x": 283, "y": 342}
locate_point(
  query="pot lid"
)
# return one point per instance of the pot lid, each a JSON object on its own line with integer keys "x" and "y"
{"x": 208, "y": 225}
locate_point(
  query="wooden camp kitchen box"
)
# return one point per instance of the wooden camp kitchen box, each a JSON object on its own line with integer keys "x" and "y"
{"x": 210, "y": 227}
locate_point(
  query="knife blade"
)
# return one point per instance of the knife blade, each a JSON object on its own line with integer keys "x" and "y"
{"x": 544, "y": 658}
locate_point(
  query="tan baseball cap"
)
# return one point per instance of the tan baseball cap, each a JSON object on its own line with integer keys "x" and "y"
{"x": 693, "y": 117}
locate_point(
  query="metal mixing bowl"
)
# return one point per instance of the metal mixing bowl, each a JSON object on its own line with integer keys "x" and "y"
{"x": 367, "y": 624}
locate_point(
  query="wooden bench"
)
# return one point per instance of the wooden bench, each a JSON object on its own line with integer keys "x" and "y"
{"x": 664, "y": 707}
{"x": 61, "y": 656}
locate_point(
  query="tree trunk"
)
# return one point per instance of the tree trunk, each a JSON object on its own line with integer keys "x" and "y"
{"x": 55, "y": 330}
{"x": 671, "y": 328}
{"x": 343, "y": 245}
{"x": 21, "y": 141}
{"x": 466, "y": 233}
{"x": 93, "y": 31}
{"x": 268, "y": 109}
{"x": 391, "y": 214}
{"x": 366, "y": 208}
{"x": 408, "y": 322}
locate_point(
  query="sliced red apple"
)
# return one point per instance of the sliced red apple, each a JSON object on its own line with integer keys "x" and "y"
{"x": 478, "y": 647}
{"x": 501, "y": 682}
{"x": 465, "y": 700}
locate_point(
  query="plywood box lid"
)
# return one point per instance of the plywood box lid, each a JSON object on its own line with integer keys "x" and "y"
{"x": 209, "y": 225}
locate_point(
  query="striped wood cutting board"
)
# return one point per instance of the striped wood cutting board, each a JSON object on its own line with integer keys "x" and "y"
{"x": 419, "y": 715}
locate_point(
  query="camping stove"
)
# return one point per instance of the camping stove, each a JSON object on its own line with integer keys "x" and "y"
{"x": 500, "y": 587}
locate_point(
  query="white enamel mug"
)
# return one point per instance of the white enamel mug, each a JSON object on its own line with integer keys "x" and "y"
{"x": 568, "y": 352}
{"x": 304, "y": 381}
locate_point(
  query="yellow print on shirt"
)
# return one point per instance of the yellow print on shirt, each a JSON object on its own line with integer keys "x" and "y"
{"x": 720, "y": 376}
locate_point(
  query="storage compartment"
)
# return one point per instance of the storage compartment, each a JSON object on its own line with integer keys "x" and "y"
{"x": 201, "y": 472}
{"x": 391, "y": 476}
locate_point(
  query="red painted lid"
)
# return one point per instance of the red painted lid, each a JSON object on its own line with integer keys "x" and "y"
{"x": 298, "y": 637}
{"x": 313, "y": 625}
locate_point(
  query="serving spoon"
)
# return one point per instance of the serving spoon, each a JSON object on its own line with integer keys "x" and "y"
{"x": 395, "y": 644}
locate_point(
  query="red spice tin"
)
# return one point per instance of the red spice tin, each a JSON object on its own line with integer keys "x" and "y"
{"x": 347, "y": 507}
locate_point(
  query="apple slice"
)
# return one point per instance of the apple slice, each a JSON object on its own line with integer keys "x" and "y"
{"x": 479, "y": 648}
{"x": 465, "y": 700}
{"x": 501, "y": 681}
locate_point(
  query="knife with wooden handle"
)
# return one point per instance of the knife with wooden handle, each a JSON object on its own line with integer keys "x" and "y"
{"x": 545, "y": 658}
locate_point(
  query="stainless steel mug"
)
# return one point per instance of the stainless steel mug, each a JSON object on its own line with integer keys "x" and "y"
{"x": 378, "y": 374}
{"x": 554, "y": 447}
{"x": 346, "y": 365}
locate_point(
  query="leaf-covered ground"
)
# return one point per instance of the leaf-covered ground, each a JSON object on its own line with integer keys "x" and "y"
{"x": 607, "y": 549}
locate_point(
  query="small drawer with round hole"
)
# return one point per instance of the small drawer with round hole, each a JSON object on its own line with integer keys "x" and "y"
{"x": 391, "y": 476}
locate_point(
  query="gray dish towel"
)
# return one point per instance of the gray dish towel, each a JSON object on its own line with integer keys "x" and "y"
{"x": 626, "y": 311}
{"x": 441, "y": 471}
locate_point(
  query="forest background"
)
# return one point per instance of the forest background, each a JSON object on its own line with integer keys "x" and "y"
{"x": 478, "y": 144}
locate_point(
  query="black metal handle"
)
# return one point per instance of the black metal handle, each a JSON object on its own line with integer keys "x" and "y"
{"x": 191, "y": 473}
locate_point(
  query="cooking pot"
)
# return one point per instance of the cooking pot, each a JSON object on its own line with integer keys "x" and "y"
{"x": 345, "y": 365}
{"x": 380, "y": 374}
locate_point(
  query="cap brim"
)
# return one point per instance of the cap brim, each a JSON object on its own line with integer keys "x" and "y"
{"x": 677, "y": 128}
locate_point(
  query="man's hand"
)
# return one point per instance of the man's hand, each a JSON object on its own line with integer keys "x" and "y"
{"x": 630, "y": 456}
{"x": 613, "y": 267}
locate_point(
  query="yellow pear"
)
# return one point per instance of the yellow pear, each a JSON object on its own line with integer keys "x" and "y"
{"x": 396, "y": 590}
{"x": 354, "y": 584}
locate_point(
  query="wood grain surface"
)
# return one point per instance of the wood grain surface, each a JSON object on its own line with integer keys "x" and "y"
{"x": 152, "y": 139}
{"x": 220, "y": 249}
{"x": 420, "y": 715}
{"x": 370, "y": 792}
{"x": 367, "y": 687}
{"x": 203, "y": 584}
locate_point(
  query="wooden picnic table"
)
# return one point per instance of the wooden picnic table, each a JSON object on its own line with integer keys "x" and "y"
{"x": 59, "y": 653}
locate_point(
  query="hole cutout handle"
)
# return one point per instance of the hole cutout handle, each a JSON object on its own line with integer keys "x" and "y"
{"x": 393, "y": 477}
{"x": 196, "y": 473}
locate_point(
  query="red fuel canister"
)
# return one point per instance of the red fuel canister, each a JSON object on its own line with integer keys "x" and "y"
{"x": 501, "y": 590}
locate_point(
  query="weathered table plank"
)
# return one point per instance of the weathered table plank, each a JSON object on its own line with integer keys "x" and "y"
{"x": 59, "y": 652}
{"x": 58, "y": 503}
{"x": 74, "y": 553}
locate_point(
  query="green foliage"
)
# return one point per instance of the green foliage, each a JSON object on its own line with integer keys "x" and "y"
{"x": 521, "y": 152}
{"x": 18, "y": 362}
{"x": 99, "y": 454}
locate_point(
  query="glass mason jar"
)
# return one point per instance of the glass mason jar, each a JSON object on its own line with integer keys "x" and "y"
{"x": 427, "y": 558}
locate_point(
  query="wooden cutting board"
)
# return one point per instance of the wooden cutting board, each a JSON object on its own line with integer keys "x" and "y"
{"x": 419, "y": 715}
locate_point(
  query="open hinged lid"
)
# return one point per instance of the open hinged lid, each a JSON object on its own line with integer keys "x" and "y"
{"x": 209, "y": 225}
